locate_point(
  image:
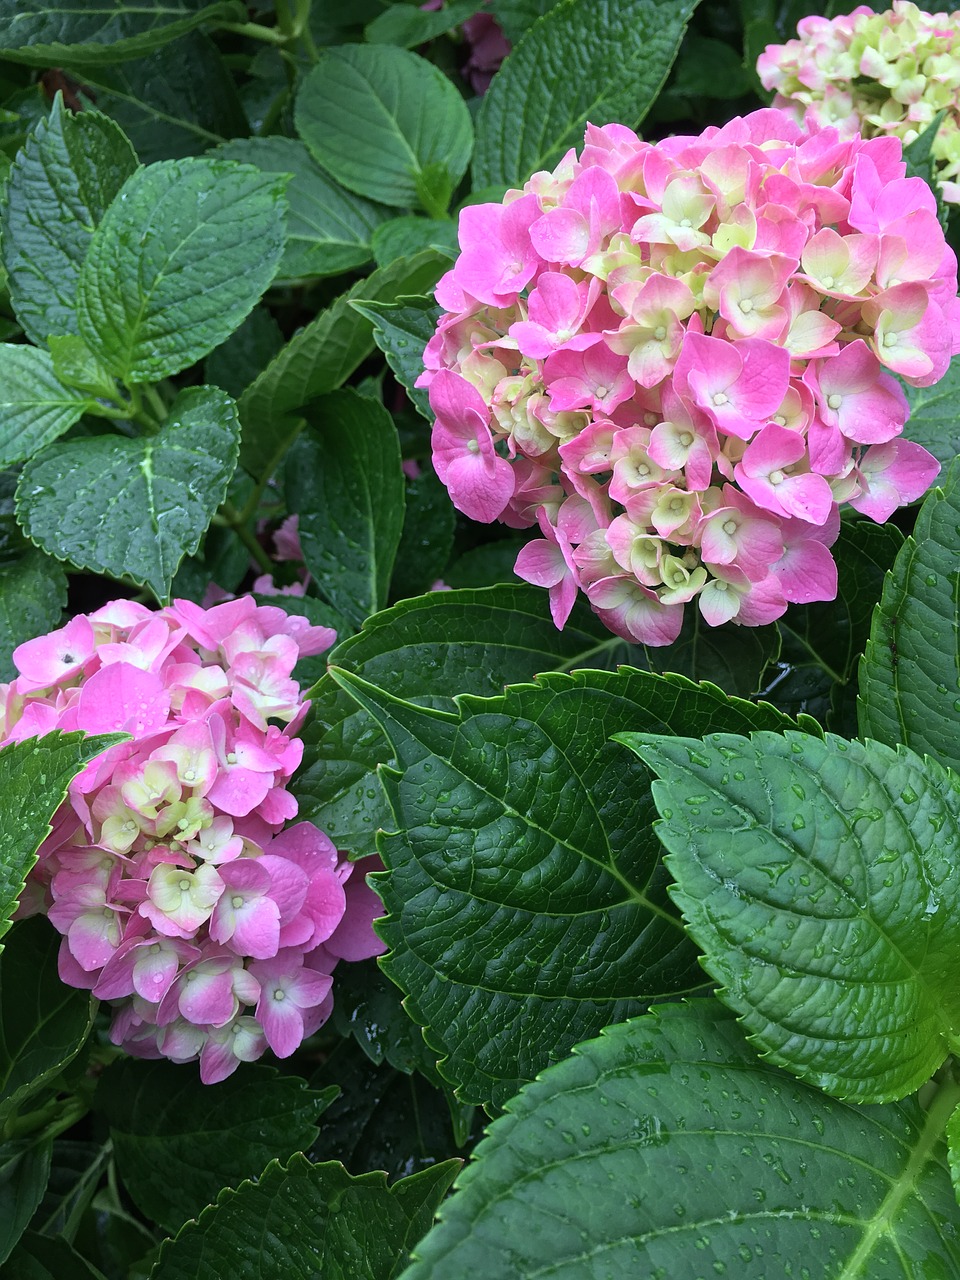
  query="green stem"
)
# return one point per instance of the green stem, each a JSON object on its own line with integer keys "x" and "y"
{"x": 274, "y": 112}
{"x": 834, "y": 675}
{"x": 255, "y": 31}
{"x": 253, "y": 502}
{"x": 157, "y": 403}
{"x": 243, "y": 531}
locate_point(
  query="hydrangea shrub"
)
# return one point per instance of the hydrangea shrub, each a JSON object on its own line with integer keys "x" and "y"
{"x": 877, "y": 75}
{"x": 183, "y": 895}
{"x": 679, "y": 360}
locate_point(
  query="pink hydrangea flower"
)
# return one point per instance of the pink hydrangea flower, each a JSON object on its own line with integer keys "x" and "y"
{"x": 679, "y": 359}
{"x": 181, "y": 898}
{"x": 875, "y": 74}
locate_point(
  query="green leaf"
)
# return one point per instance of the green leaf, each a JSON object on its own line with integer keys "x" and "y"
{"x": 180, "y": 258}
{"x": 34, "y": 776}
{"x": 76, "y": 366}
{"x": 401, "y": 330}
{"x": 407, "y": 25}
{"x": 664, "y": 1148}
{"x": 735, "y": 658}
{"x": 428, "y": 529}
{"x": 76, "y": 1169}
{"x": 44, "y": 33}
{"x": 818, "y": 877}
{"x": 526, "y": 905}
{"x": 425, "y": 651}
{"x": 61, "y": 185}
{"x": 24, "y": 1169}
{"x": 368, "y": 1008}
{"x": 404, "y": 236}
{"x": 43, "y": 1022}
{"x": 176, "y": 102}
{"x": 308, "y": 1220}
{"x": 910, "y": 673}
{"x": 383, "y": 1119}
{"x": 35, "y": 406}
{"x": 825, "y": 640}
{"x": 343, "y": 476}
{"x": 376, "y": 116}
{"x": 516, "y": 17}
{"x": 163, "y": 491}
{"x": 178, "y": 1142}
{"x": 329, "y": 230}
{"x": 38, "y": 1257}
{"x": 33, "y": 595}
{"x": 934, "y": 420}
{"x": 321, "y": 357}
{"x": 585, "y": 60}
{"x": 235, "y": 363}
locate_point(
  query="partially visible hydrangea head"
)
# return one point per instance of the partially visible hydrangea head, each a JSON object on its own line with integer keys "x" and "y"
{"x": 182, "y": 896}
{"x": 875, "y": 74}
{"x": 677, "y": 360}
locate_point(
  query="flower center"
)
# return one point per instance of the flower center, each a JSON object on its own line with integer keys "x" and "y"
{"x": 720, "y": 398}
{"x": 729, "y": 527}
{"x": 746, "y": 305}
{"x": 834, "y": 401}
{"x": 776, "y": 477}
{"x": 237, "y": 901}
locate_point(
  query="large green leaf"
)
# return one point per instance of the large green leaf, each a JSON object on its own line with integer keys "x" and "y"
{"x": 33, "y": 595}
{"x": 35, "y": 406}
{"x": 321, "y": 357}
{"x": 934, "y": 420}
{"x": 910, "y": 673}
{"x": 178, "y": 1142}
{"x": 34, "y": 776}
{"x": 61, "y": 184}
{"x": 344, "y": 478}
{"x": 328, "y": 229}
{"x": 819, "y": 876}
{"x": 180, "y": 258}
{"x": 38, "y": 1257}
{"x": 426, "y": 651}
{"x": 664, "y": 1148}
{"x": 408, "y": 25}
{"x": 401, "y": 330}
{"x": 735, "y": 658}
{"x": 516, "y": 17}
{"x": 176, "y": 102}
{"x": 526, "y": 904}
{"x": 44, "y": 33}
{"x": 585, "y": 60}
{"x": 43, "y": 1022}
{"x": 306, "y": 1221}
{"x": 384, "y": 121}
{"x": 24, "y": 1169}
{"x": 134, "y": 507}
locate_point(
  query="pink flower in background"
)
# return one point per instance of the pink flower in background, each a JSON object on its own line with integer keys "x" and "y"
{"x": 679, "y": 359}
{"x": 180, "y": 897}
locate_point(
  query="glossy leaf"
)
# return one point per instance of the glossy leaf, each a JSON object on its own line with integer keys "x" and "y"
{"x": 408, "y": 26}
{"x": 910, "y": 673}
{"x": 44, "y": 33}
{"x": 308, "y": 1220}
{"x": 179, "y": 260}
{"x": 526, "y": 907}
{"x": 818, "y": 875}
{"x": 43, "y": 1022}
{"x": 343, "y": 476}
{"x": 35, "y": 406}
{"x": 178, "y": 101}
{"x": 379, "y": 118}
{"x": 329, "y": 230}
{"x": 320, "y": 358}
{"x": 404, "y": 236}
{"x": 934, "y": 420}
{"x": 38, "y": 1257}
{"x": 401, "y": 330}
{"x": 34, "y": 776}
{"x": 425, "y": 651}
{"x": 177, "y": 1141}
{"x": 428, "y": 530}
{"x": 585, "y": 60}
{"x": 664, "y": 1148}
{"x": 33, "y": 593}
{"x": 164, "y": 490}
{"x": 61, "y": 184}
{"x": 24, "y": 1169}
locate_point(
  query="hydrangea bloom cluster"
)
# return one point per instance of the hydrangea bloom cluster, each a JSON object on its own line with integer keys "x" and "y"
{"x": 875, "y": 74}
{"x": 677, "y": 360}
{"x": 180, "y": 896}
